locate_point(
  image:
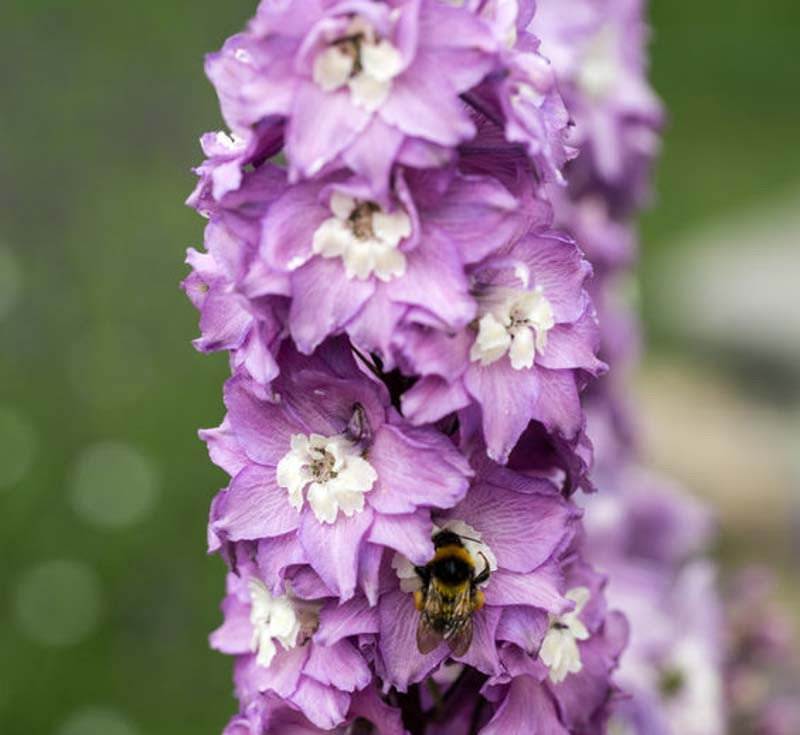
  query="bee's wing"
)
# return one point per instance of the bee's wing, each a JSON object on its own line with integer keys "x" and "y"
{"x": 461, "y": 637}
{"x": 427, "y": 638}
{"x": 429, "y": 634}
{"x": 460, "y": 641}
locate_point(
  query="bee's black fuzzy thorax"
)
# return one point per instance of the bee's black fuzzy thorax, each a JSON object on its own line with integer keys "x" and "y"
{"x": 446, "y": 538}
{"x": 452, "y": 570}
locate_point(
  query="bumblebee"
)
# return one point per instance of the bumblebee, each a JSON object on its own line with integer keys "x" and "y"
{"x": 449, "y": 595}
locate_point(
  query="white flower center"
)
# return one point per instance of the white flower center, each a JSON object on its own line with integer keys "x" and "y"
{"x": 559, "y": 651}
{"x": 362, "y": 62}
{"x": 599, "y": 72}
{"x": 480, "y": 552}
{"x": 365, "y": 237}
{"x": 273, "y": 619}
{"x": 332, "y": 469}
{"x": 512, "y": 321}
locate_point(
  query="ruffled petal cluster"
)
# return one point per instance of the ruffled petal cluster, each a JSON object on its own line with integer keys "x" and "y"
{"x": 410, "y": 335}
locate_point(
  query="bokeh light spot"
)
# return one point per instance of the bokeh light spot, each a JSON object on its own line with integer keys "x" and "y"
{"x": 17, "y": 446}
{"x": 58, "y": 602}
{"x": 97, "y": 721}
{"x": 113, "y": 485}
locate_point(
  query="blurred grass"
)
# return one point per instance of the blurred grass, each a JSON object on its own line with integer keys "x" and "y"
{"x": 102, "y": 107}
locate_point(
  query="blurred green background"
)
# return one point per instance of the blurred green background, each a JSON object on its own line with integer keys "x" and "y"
{"x": 106, "y": 596}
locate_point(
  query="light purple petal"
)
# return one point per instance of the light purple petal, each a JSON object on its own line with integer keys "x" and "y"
{"x": 541, "y": 588}
{"x": 333, "y": 548}
{"x": 288, "y": 229}
{"x": 504, "y": 517}
{"x": 262, "y": 428}
{"x": 524, "y": 626}
{"x": 224, "y": 322}
{"x": 315, "y": 139}
{"x": 465, "y": 31}
{"x": 409, "y": 534}
{"x": 324, "y": 706}
{"x": 325, "y": 300}
{"x": 255, "y": 507}
{"x": 582, "y": 695}
{"x": 307, "y": 583}
{"x": 573, "y": 346}
{"x": 433, "y": 352}
{"x": 526, "y": 710}
{"x": 423, "y": 103}
{"x": 402, "y": 664}
{"x": 416, "y": 467}
{"x": 283, "y": 674}
{"x": 432, "y": 398}
{"x": 339, "y": 665}
{"x": 373, "y": 327}
{"x": 558, "y": 404}
{"x": 274, "y": 555}
{"x": 223, "y": 448}
{"x": 235, "y": 634}
{"x": 507, "y": 398}
{"x": 255, "y": 355}
{"x": 373, "y": 153}
{"x": 337, "y": 621}
{"x": 435, "y": 281}
{"x": 557, "y": 266}
{"x": 478, "y": 215}
{"x": 482, "y": 653}
{"x": 324, "y": 404}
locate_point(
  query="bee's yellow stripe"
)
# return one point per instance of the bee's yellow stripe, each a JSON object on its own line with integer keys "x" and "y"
{"x": 459, "y": 551}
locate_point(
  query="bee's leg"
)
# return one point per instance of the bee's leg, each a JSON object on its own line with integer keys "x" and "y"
{"x": 419, "y": 600}
{"x": 477, "y": 600}
{"x": 484, "y": 575}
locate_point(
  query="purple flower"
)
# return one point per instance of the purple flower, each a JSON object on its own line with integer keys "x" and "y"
{"x": 524, "y": 585}
{"x": 327, "y": 473}
{"x": 388, "y": 76}
{"x": 524, "y": 105}
{"x": 671, "y": 668}
{"x": 382, "y": 264}
{"x": 597, "y": 48}
{"x": 566, "y": 688}
{"x": 410, "y": 340}
{"x": 275, "y": 640}
{"x": 525, "y": 356}
{"x": 222, "y": 172}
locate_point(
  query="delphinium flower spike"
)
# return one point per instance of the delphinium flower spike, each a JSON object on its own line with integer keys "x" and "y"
{"x": 410, "y": 337}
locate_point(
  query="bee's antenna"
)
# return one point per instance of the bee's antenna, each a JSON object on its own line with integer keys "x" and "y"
{"x": 467, "y": 538}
